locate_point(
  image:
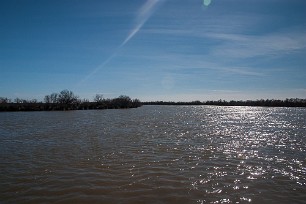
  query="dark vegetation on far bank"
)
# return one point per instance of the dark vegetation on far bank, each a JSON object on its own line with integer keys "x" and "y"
{"x": 67, "y": 100}
{"x": 292, "y": 102}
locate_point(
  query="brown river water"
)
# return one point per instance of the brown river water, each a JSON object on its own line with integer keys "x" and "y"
{"x": 154, "y": 154}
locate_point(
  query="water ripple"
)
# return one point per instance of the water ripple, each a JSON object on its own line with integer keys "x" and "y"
{"x": 167, "y": 154}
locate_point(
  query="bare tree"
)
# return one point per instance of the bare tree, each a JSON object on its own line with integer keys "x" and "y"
{"x": 98, "y": 98}
{"x": 54, "y": 98}
{"x": 47, "y": 99}
{"x": 19, "y": 100}
{"x": 5, "y": 100}
{"x": 67, "y": 97}
{"x": 32, "y": 101}
{"x": 84, "y": 100}
{"x": 122, "y": 102}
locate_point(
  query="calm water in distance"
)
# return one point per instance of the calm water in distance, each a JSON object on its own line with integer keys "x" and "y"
{"x": 154, "y": 154}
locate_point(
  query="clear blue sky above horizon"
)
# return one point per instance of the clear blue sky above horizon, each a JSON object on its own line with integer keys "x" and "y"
{"x": 178, "y": 50}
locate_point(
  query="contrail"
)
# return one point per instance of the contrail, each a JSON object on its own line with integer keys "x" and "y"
{"x": 143, "y": 15}
{"x": 98, "y": 67}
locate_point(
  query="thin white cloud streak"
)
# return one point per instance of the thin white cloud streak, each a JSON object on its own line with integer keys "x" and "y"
{"x": 179, "y": 63}
{"x": 245, "y": 46}
{"x": 232, "y": 46}
{"x": 98, "y": 68}
{"x": 144, "y": 14}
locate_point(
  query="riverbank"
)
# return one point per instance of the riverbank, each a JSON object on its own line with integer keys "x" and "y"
{"x": 106, "y": 104}
{"x": 293, "y": 102}
{"x": 67, "y": 100}
{"x": 124, "y": 104}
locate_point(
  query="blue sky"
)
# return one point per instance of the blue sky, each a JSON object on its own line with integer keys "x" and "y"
{"x": 179, "y": 50}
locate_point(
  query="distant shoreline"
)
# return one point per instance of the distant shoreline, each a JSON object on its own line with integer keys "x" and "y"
{"x": 66, "y": 100}
{"x": 125, "y": 104}
{"x": 293, "y": 102}
{"x": 26, "y": 107}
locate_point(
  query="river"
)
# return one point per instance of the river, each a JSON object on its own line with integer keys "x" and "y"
{"x": 154, "y": 154}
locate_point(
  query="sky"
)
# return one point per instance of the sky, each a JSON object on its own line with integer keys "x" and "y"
{"x": 171, "y": 50}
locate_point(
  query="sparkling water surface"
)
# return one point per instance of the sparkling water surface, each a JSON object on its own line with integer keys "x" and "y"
{"x": 154, "y": 154}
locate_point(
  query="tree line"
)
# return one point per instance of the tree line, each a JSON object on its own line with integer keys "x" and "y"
{"x": 67, "y": 100}
{"x": 292, "y": 102}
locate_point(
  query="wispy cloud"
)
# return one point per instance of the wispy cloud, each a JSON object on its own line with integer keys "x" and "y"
{"x": 246, "y": 46}
{"x": 197, "y": 64}
{"x": 96, "y": 69}
{"x": 143, "y": 15}
{"x": 241, "y": 45}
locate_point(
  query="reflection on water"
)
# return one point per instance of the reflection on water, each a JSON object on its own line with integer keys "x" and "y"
{"x": 166, "y": 154}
